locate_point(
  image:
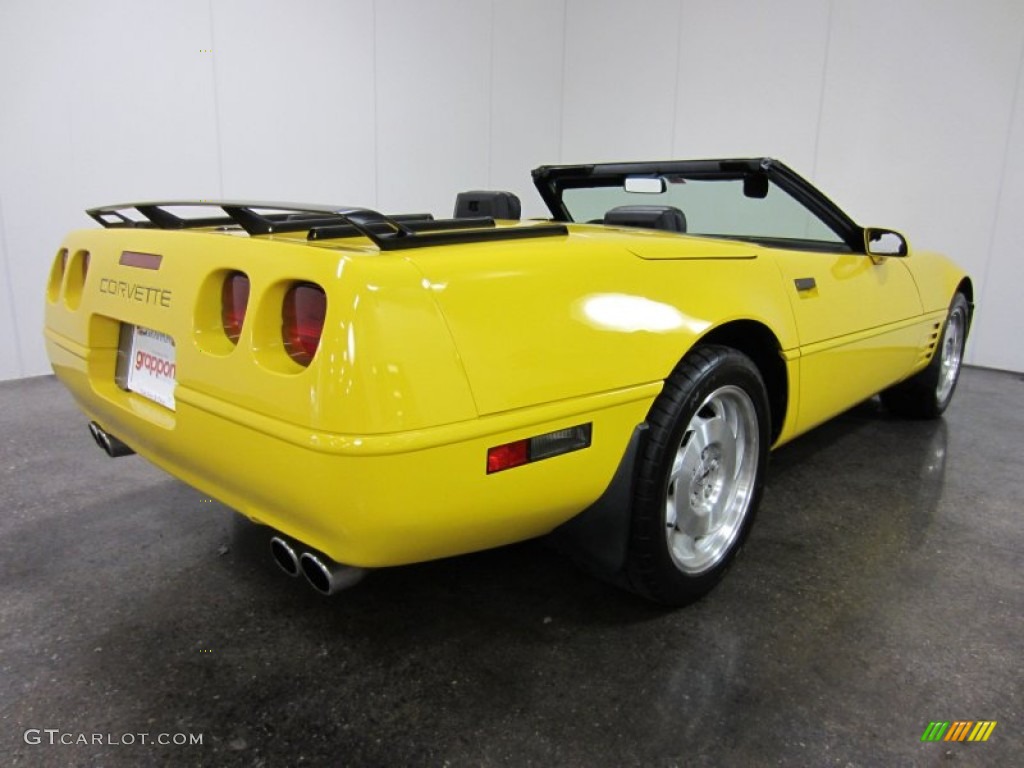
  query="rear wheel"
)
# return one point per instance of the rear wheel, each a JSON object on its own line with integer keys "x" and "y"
{"x": 700, "y": 475}
{"x": 927, "y": 394}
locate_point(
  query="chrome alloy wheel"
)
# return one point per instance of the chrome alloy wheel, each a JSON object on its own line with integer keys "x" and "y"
{"x": 711, "y": 483}
{"x": 952, "y": 353}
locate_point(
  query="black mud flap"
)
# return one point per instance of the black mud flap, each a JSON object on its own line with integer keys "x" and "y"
{"x": 597, "y": 539}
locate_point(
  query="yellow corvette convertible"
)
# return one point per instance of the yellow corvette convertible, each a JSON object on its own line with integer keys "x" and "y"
{"x": 383, "y": 390}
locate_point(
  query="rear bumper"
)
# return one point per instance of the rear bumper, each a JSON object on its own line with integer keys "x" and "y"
{"x": 366, "y": 500}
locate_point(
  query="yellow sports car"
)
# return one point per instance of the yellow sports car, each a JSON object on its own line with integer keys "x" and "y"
{"x": 383, "y": 390}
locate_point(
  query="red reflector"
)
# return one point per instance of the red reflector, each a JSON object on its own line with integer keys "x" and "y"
{"x": 234, "y": 298}
{"x": 508, "y": 456}
{"x": 539, "y": 447}
{"x": 140, "y": 260}
{"x": 305, "y": 306}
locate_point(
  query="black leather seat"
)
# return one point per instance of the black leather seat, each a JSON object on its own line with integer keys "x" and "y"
{"x": 497, "y": 205}
{"x": 664, "y": 217}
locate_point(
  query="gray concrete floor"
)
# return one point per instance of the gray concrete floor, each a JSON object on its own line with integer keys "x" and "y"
{"x": 881, "y": 589}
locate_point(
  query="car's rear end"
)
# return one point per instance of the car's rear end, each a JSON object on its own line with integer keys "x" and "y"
{"x": 313, "y": 385}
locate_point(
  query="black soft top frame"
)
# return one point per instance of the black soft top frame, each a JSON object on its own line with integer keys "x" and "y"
{"x": 552, "y": 180}
{"x": 388, "y": 233}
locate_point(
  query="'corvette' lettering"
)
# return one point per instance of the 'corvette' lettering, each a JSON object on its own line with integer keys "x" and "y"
{"x": 144, "y": 294}
{"x": 157, "y": 366}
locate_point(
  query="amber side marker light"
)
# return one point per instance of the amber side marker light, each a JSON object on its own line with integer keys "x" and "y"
{"x": 509, "y": 455}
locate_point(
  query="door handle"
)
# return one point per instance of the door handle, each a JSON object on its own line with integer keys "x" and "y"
{"x": 805, "y": 284}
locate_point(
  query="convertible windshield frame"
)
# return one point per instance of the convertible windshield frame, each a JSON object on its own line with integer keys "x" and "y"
{"x": 552, "y": 180}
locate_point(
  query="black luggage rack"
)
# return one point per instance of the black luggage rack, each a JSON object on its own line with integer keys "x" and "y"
{"x": 388, "y": 233}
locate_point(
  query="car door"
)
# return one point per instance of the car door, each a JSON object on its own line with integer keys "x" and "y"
{"x": 856, "y": 319}
{"x": 856, "y": 315}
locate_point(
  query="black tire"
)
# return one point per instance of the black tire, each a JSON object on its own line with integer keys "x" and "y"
{"x": 711, "y": 385}
{"x": 926, "y": 394}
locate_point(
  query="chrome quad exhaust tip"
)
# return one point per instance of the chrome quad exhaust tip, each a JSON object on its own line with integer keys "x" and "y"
{"x": 284, "y": 555}
{"x": 323, "y": 574}
{"x": 113, "y": 447}
{"x": 326, "y": 576}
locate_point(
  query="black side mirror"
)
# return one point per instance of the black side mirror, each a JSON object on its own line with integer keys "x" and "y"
{"x": 884, "y": 242}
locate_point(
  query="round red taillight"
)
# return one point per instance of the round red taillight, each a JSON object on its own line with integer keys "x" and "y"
{"x": 302, "y": 321}
{"x": 234, "y": 298}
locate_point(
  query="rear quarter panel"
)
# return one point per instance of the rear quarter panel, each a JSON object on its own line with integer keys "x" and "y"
{"x": 556, "y": 320}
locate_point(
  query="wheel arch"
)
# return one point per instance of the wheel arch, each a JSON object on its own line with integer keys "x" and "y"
{"x": 597, "y": 538}
{"x": 760, "y": 344}
{"x": 966, "y": 287}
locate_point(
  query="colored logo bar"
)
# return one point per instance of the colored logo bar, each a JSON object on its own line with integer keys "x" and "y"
{"x": 959, "y": 730}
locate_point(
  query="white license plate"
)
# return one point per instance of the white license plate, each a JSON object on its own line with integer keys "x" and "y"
{"x": 151, "y": 367}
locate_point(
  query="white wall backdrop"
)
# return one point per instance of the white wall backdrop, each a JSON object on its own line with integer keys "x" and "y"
{"x": 909, "y": 113}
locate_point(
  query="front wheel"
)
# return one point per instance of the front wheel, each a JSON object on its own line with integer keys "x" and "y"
{"x": 926, "y": 394}
{"x": 700, "y": 475}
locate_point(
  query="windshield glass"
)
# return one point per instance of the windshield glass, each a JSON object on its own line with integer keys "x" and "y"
{"x": 715, "y": 207}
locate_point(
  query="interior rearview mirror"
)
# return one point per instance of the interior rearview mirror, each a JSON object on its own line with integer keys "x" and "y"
{"x": 645, "y": 185}
{"x": 885, "y": 242}
{"x": 755, "y": 185}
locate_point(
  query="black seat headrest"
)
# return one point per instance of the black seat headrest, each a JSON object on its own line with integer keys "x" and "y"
{"x": 664, "y": 217}
{"x": 497, "y": 205}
